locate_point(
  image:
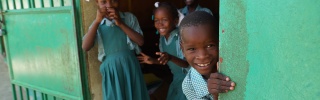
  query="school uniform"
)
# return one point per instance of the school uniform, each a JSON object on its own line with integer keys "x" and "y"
{"x": 172, "y": 47}
{"x": 195, "y": 87}
{"x": 121, "y": 72}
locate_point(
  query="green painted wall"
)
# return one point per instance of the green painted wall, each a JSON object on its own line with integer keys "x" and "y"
{"x": 271, "y": 49}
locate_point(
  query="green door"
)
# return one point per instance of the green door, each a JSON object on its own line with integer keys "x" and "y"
{"x": 271, "y": 49}
{"x": 42, "y": 49}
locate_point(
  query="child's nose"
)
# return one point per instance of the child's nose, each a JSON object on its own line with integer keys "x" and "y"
{"x": 202, "y": 54}
{"x": 160, "y": 23}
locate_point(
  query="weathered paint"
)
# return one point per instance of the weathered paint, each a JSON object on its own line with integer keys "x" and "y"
{"x": 42, "y": 47}
{"x": 271, "y": 48}
{"x": 233, "y": 44}
{"x": 43, "y": 51}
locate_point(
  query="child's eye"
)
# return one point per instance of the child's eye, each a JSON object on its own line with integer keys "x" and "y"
{"x": 156, "y": 20}
{"x": 211, "y": 45}
{"x": 190, "y": 49}
{"x": 165, "y": 20}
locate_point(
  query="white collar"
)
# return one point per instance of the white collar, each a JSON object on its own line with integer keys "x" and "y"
{"x": 173, "y": 33}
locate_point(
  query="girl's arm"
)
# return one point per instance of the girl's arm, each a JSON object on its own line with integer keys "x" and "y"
{"x": 165, "y": 57}
{"x": 179, "y": 62}
{"x": 90, "y": 37}
{"x": 132, "y": 34}
{"x": 147, "y": 59}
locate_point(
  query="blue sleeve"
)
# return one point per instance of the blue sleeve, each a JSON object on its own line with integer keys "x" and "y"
{"x": 160, "y": 45}
{"x": 207, "y": 10}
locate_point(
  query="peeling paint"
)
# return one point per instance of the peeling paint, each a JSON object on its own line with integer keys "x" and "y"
{"x": 233, "y": 46}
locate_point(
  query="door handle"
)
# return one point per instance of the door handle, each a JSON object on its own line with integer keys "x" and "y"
{"x": 2, "y": 32}
{"x": 2, "y": 27}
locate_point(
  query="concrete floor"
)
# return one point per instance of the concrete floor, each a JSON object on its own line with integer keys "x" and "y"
{"x": 5, "y": 86}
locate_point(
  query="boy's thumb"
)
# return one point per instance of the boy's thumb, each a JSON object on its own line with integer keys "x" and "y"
{"x": 218, "y": 66}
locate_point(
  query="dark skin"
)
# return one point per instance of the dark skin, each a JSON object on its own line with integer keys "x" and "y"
{"x": 164, "y": 23}
{"x": 201, "y": 51}
{"x": 192, "y": 5}
{"x": 108, "y": 9}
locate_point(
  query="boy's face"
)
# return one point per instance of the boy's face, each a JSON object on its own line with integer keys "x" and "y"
{"x": 104, "y": 4}
{"x": 200, "y": 48}
{"x": 164, "y": 22}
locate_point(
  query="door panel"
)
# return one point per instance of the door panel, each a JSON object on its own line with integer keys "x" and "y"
{"x": 42, "y": 49}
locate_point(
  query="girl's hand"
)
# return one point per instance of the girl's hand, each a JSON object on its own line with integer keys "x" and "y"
{"x": 145, "y": 59}
{"x": 164, "y": 57}
{"x": 99, "y": 16}
{"x": 113, "y": 14}
{"x": 218, "y": 83}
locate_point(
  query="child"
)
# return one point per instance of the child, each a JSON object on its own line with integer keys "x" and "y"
{"x": 117, "y": 34}
{"x": 199, "y": 43}
{"x": 191, "y": 6}
{"x": 166, "y": 19}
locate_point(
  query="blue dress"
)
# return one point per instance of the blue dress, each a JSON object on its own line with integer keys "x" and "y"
{"x": 120, "y": 69}
{"x": 172, "y": 47}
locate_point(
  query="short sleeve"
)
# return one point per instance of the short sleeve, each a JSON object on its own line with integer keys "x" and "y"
{"x": 160, "y": 45}
{"x": 179, "y": 50}
{"x": 207, "y": 10}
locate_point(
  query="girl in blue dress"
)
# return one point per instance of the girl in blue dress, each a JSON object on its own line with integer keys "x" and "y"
{"x": 118, "y": 35}
{"x": 165, "y": 20}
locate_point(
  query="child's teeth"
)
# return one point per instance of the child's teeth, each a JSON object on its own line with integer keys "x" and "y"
{"x": 203, "y": 64}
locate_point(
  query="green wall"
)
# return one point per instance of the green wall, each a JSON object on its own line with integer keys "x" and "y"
{"x": 271, "y": 48}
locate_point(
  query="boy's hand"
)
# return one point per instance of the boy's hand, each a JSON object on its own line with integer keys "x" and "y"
{"x": 218, "y": 83}
{"x": 145, "y": 59}
{"x": 99, "y": 16}
{"x": 114, "y": 15}
{"x": 164, "y": 57}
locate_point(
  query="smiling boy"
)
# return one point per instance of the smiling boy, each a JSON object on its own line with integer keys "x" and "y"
{"x": 199, "y": 43}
